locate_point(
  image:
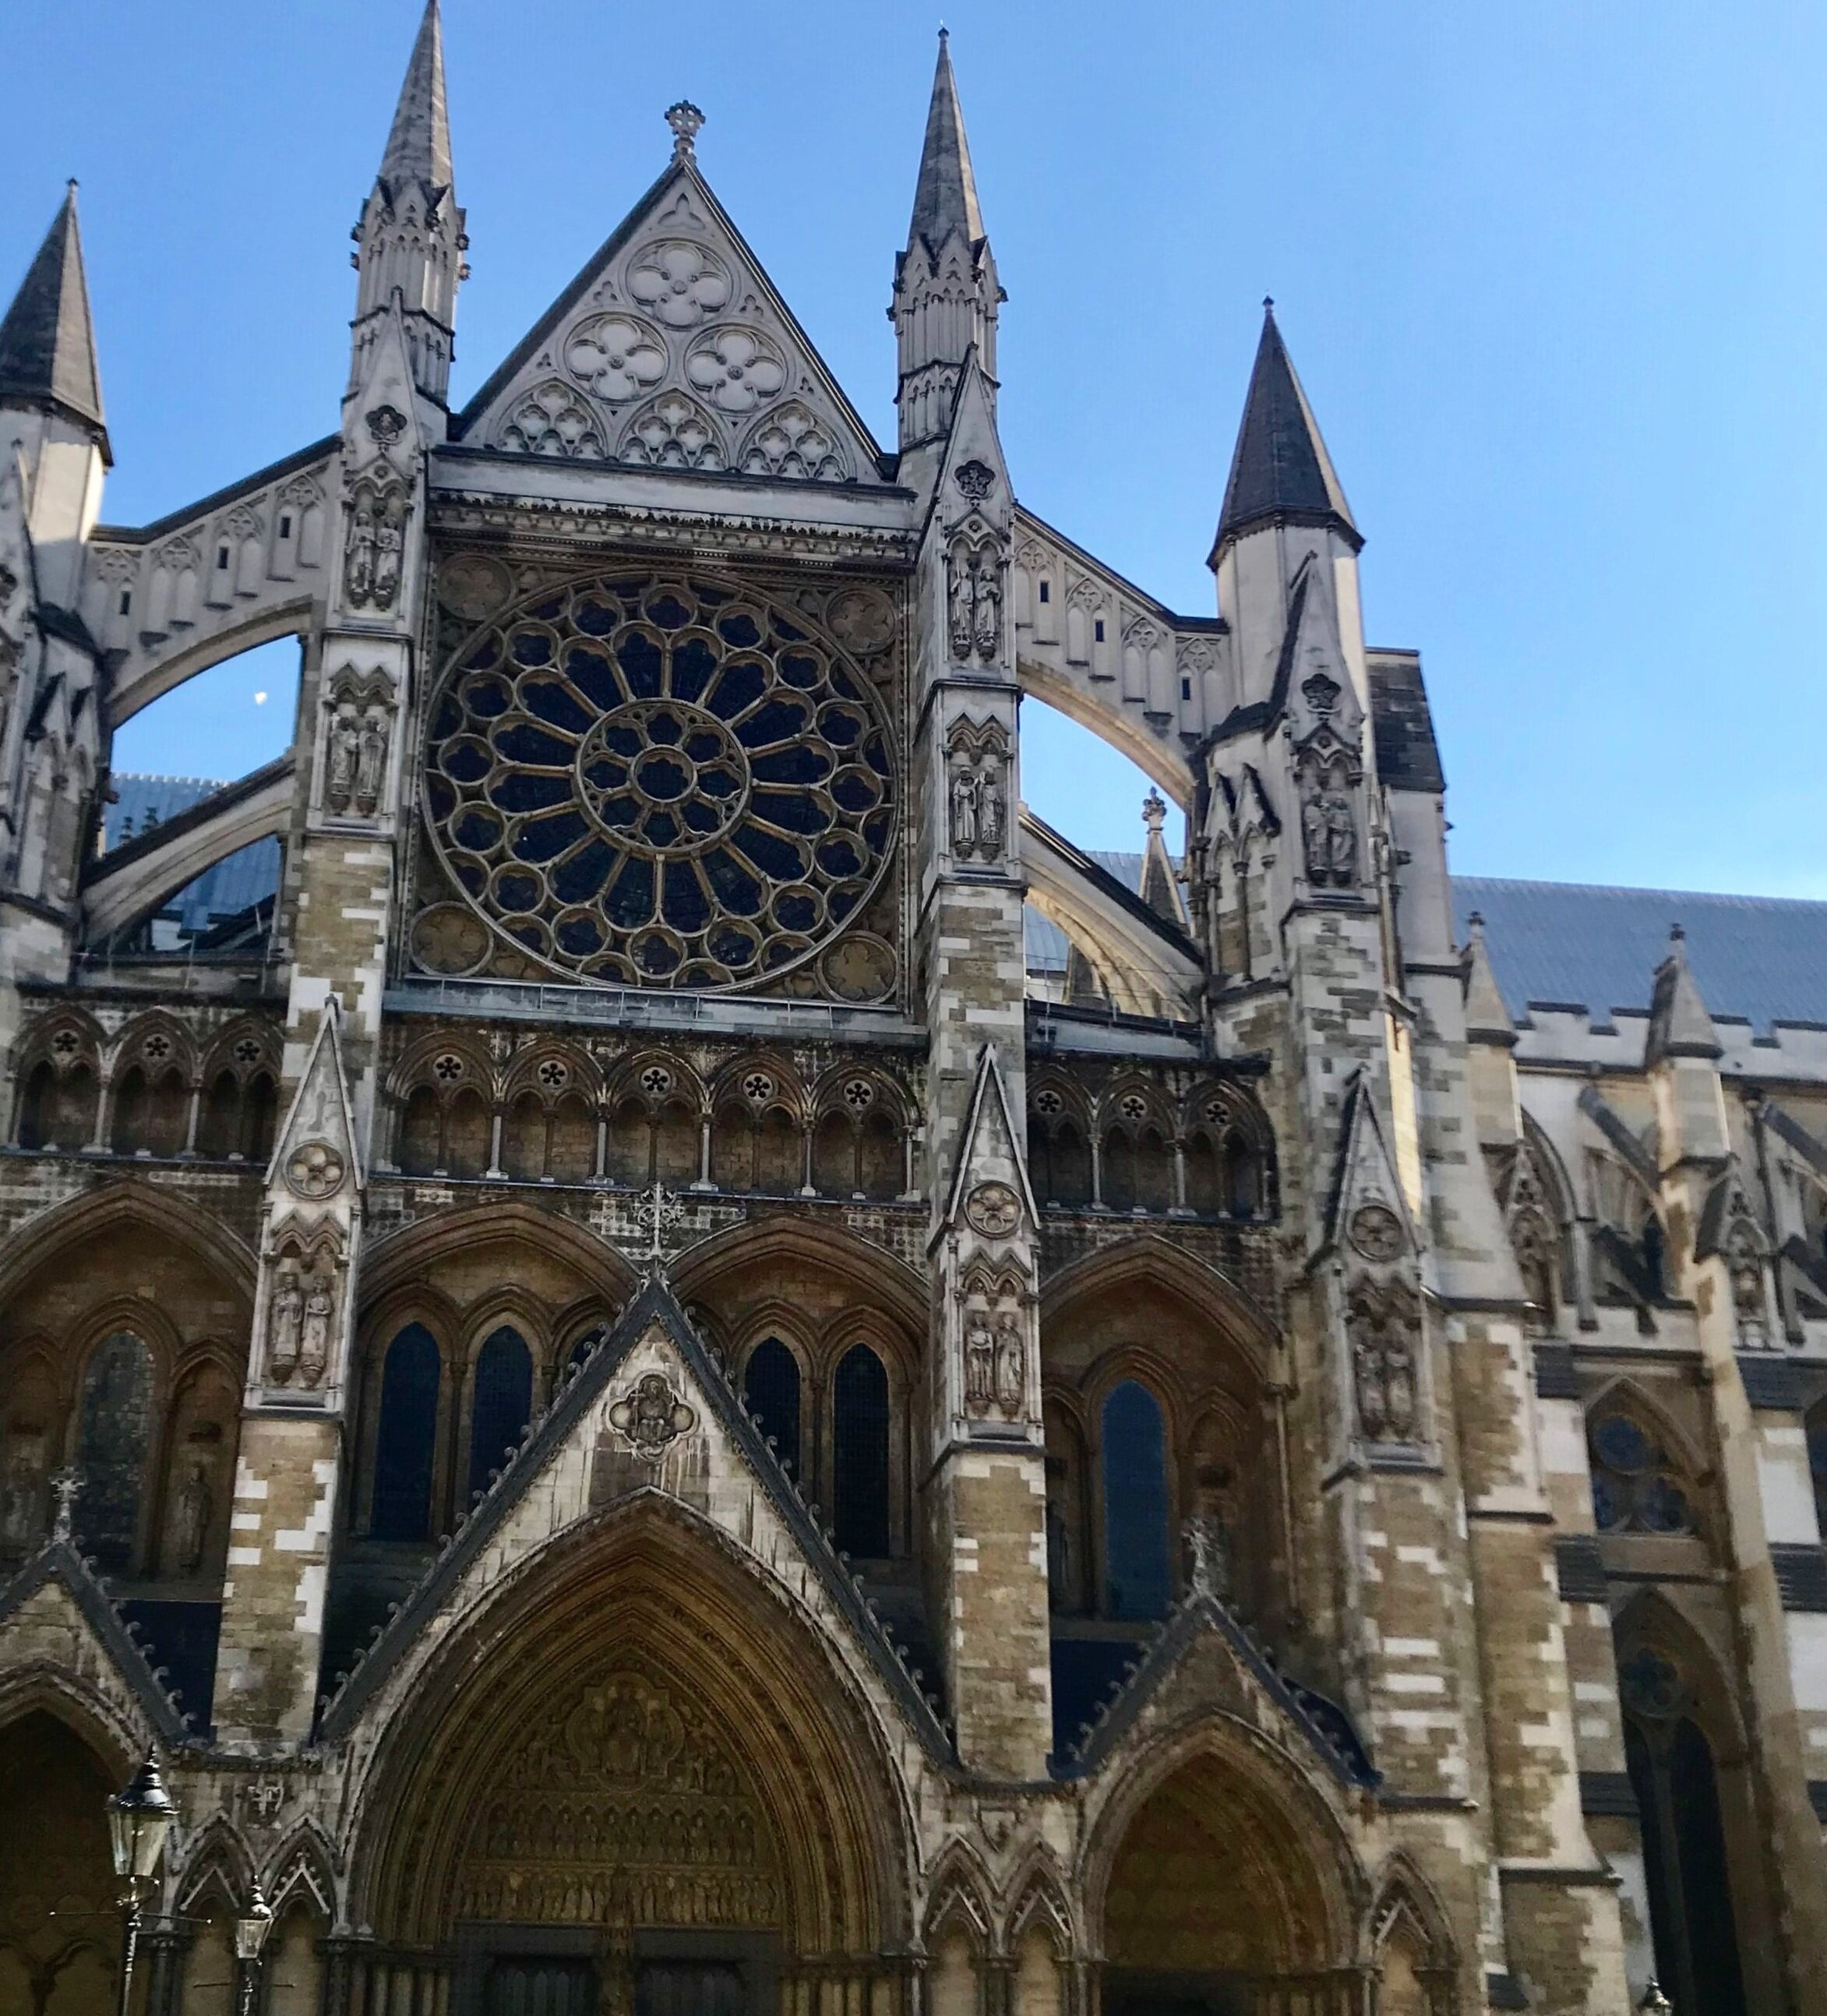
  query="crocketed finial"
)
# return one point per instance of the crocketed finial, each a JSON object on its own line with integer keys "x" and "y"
{"x": 686, "y": 120}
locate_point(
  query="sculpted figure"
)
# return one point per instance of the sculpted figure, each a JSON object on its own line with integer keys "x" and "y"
{"x": 196, "y": 1501}
{"x": 371, "y": 762}
{"x": 992, "y": 812}
{"x": 1010, "y": 1381}
{"x": 960, "y": 599}
{"x": 1372, "y": 1406}
{"x": 19, "y": 1503}
{"x": 1398, "y": 1373}
{"x": 1341, "y": 840}
{"x": 389, "y": 540}
{"x": 1313, "y": 837}
{"x": 283, "y": 1328}
{"x": 314, "y": 1345}
{"x": 345, "y": 753}
{"x": 987, "y": 611}
{"x": 359, "y": 562}
{"x": 979, "y": 1365}
{"x": 964, "y": 812}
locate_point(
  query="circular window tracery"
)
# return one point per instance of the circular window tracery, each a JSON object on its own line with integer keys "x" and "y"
{"x": 660, "y": 782}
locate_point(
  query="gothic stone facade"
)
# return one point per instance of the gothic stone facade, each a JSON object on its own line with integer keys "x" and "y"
{"x": 633, "y": 1417}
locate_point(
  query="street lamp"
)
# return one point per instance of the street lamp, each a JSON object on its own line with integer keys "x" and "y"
{"x": 250, "y": 1935}
{"x": 139, "y": 1818}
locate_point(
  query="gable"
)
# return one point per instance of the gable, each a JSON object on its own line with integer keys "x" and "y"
{"x": 672, "y": 351}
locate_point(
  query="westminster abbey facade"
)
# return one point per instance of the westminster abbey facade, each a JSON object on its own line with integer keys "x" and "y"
{"x": 693, "y": 1367}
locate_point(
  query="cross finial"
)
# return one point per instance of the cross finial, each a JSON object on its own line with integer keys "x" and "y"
{"x": 64, "y": 1485}
{"x": 1268, "y": 304}
{"x": 686, "y": 121}
{"x": 656, "y": 1214}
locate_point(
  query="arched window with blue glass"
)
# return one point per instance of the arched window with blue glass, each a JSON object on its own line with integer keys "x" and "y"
{"x": 1139, "y": 1574}
{"x": 859, "y": 1454}
{"x": 405, "y": 1438}
{"x": 771, "y": 1386}
{"x": 501, "y": 1405}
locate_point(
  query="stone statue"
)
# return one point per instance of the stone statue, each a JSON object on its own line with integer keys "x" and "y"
{"x": 1372, "y": 1405}
{"x": 1313, "y": 838}
{"x": 1058, "y": 1559}
{"x": 195, "y": 1503}
{"x": 1209, "y": 1556}
{"x": 314, "y": 1346}
{"x": 964, "y": 812}
{"x": 1341, "y": 840}
{"x": 992, "y": 812}
{"x": 19, "y": 1498}
{"x": 1011, "y": 1373}
{"x": 390, "y": 545}
{"x": 1398, "y": 1374}
{"x": 980, "y": 1365}
{"x": 358, "y": 561}
{"x": 963, "y": 629}
{"x": 283, "y": 1328}
{"x": 345, "y": 754}
{"x": 987, "y": 610}
{"x": 371, "y": 761}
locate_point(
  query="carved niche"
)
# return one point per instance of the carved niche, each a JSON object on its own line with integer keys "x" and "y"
{"x": 651, "y": 1415}
{"x": 378, "y": 503}
{"x": 358, "y": 727}
{"x": 976, "y": 565}
{"x": 624, "y": 1806}
{"x": 303, "y": 1307}
{"x": 993, "y": 1323}
{"x": 1385, "y": 1332}
{"x": 977, "y": 790}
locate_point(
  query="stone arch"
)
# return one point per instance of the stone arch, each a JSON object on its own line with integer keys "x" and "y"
{"x": 876, "y": 1275}
{"x": 302, "y": 1863}
{"x": 646, "y": 1604}
{"x": 1409, "y": 1938}
{"x": 86, "y": 1218}
{"x": 1145, "y": 1257}
{"x": 1675, "y": 1459}
{"x": 1277, "y": 1890}
{"x": 216, "y": 1858}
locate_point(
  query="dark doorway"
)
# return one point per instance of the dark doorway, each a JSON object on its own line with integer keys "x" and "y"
{"x": 691, "y": 1988}
{"x": 525, "y": 1985}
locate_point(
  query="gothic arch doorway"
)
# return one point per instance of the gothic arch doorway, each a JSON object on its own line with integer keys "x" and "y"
{"x": 635, "y": 1774}
{"x": 1225, "y": 1890}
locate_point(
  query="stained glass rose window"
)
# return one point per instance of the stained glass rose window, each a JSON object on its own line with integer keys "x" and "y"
{"x": 657, "y": 781}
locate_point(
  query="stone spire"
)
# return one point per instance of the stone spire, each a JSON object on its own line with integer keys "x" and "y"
{"x": 47, "y": 341}
{"x": 1680, "y": 1025}
{"x": 1160, "y": 886}
{"x": 418, "y": 148}
{"x": 1488, "y": 1015}
{"x": 1280, "y": 473}
{"x": 945, "y": 293}
{"x": 410, "y": 240}
{"x": 945, "y": 197}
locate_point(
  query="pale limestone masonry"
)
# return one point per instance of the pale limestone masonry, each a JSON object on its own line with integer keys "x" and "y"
{"x": 721, "y": 1439}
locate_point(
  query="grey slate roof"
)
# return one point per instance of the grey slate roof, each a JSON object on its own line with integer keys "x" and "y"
{"x": 1755, "y": 958}
{"x": 236, "y": 883}
{"x": 419, "y": 145}
{"x": 945, "y": 196}
{"x": 1280, "y": 473}
{"x": 46, "y": 341}
{"x": 1047, "y": 947}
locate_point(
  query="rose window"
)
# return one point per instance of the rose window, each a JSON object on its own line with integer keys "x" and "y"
{"x": 662, "y": 783}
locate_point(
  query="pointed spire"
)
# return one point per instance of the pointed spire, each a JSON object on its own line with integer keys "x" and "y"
{"x": 47, "y": 341}
{"x": 1160, "y": 887}
{"x": 1488, "y": 1015}
{"x": 1680, "y": 1025}
{"x": 1281, "y": 473}
{"x": 418, "y": 148}
{"x": 945, "y": 197}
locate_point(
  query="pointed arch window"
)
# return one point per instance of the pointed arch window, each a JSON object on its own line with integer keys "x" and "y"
{"x": 1686, "y": 1867}
{"x": 114, "y": 1438}
{"x": 771, "y": 1385}
{"x": 501, "y": 1404}
{"x": 406, "y": 1438}
{"x": 1636, "y": 1487}
{"x": 859, "y": 1450}
{"x": 1139, "y": 1581}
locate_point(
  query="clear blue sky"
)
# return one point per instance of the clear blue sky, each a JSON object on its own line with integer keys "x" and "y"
{"x": 1554, "y": 274}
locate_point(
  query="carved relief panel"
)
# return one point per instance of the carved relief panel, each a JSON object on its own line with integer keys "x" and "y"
{"x": 977, "y": 791}
{"x": 359, "y": 711}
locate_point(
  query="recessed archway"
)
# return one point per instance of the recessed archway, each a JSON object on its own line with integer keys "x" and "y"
{"x": 683, "y": 1758}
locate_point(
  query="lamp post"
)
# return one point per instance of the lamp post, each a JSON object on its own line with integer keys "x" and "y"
{"x": 139, "y": 1819}
{"x": 250, "y": 1935}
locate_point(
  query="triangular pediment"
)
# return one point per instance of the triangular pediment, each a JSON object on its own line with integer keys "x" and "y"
{"x": 317, "y": 1155}
{"x": 990, "y": 1183}
{"x": 673, "y": 351}
{"x": 1368, "y": 1212}
{"x": 649, "y": 1419}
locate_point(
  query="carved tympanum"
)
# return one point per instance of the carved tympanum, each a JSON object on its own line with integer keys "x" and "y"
{"x": 651, "y": 1415}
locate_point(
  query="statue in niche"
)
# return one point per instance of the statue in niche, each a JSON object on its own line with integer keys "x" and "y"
{"x": 314, "y": 1340}
{"x": 19, "y": 1498}
{"x": 980, "y": 1365}
{"x": 1011, "y": 1378}
{"x": 1382, "y": 1356}
{"x": 963, "y": 629}
{"x": 196, "y": 1503}
{"x": 964, "y": 812}
{"x": 1208, "y": 1548}
{"x": 371, "y": 761}
{"x": 992, "y": 812}
{"x": 988, "y": 609}
{"x": 388, "y": 551}
{"x": 1341, "y": 833}
{"x": 1398, "y": 1376}
{"x": 358, "y": 561}
{"x": 1372, "y": 1406}
{"x": 345, "y": 756}
{"x": 283, "y": 1327}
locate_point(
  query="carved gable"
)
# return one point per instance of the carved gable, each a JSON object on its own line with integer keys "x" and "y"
{"x": 672, "y": 351}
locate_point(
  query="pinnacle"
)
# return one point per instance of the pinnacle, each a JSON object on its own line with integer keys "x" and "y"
{"x": 1281, "y": 473}
{"x": 945, "y": 196}
{"x": 1679, "y": 1023}
{"x": 46, "y": 340}
{"x": 419, "y": 145}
